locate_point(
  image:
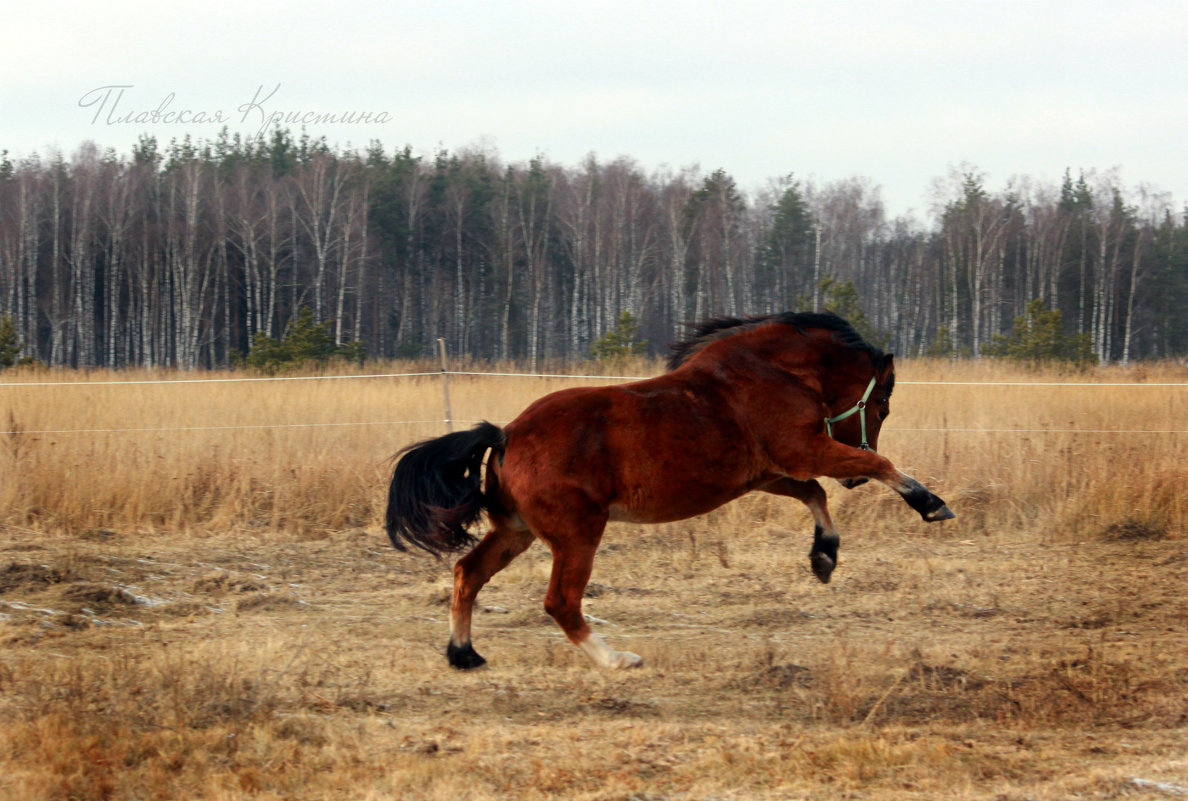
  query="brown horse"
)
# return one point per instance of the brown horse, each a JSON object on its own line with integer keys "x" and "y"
{"x": 762, "y": 403}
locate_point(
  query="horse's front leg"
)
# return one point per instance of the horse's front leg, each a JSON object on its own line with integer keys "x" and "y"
{"x": 823, "y": 556}
{"x": 835, "y": 460}
{"x": 920, "y": 498}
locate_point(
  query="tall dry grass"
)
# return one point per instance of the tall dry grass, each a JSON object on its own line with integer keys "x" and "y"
{"x": 310, "y": 456}
{"x": 287, "y": 455}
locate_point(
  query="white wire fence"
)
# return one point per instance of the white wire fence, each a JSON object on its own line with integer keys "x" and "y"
{"x": 445, "y": 374}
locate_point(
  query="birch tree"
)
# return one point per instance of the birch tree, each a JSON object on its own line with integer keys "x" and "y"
{"x": 319, "y": 185}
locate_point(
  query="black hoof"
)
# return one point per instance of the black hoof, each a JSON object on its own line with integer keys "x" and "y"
{"x": 464, "y": 657}
{"x": 823, "y": 556}
{"x": 850, "y": 483}
{"x": 943, "y": 513}
{"x": 822, "y": 566}
{"x": 930, "y": 506}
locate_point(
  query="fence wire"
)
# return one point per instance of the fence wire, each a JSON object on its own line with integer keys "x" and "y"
{"x": 497, "y": 374}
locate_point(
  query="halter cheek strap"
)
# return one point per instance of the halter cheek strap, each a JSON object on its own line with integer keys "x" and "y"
{"x": 860, "y": 408}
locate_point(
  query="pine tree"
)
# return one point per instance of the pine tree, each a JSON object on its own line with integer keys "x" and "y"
{"x": 10, "y": 343}
{"x": 841, "y": 298}
{"x": 304, "y": 342}
{"x": 1039, "y": 337}
{"x": 621, "y": 341}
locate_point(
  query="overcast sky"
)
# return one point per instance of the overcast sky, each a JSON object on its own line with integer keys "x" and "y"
{"x": 898, "y": 92}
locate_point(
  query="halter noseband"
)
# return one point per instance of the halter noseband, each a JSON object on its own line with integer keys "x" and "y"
{"x": 860, "y": 408}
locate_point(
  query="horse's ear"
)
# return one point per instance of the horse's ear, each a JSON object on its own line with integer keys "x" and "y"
{"x": 885, "y": 367}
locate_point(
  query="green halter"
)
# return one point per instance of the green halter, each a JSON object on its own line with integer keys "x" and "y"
{"x": 859, "y": 407}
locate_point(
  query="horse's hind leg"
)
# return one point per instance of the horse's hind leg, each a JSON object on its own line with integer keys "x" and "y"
{"x": 571, "y": 572}
{"x": 573, "y": 546}
{"x": 501, "y": 545}
{"x": 823, "y": 556}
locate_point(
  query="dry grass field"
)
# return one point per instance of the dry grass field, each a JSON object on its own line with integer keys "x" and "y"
{"x": 197, "y": 602}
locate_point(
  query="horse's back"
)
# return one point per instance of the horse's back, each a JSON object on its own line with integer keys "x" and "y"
{"x": 649, "y": 451}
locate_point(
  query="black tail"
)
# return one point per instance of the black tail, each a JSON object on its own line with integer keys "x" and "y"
{"x": 437, "y": 490}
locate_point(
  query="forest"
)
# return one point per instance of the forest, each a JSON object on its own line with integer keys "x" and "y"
{"x": 178, "y": 255}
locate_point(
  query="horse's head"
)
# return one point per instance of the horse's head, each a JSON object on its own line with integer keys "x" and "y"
{"x": 858, "y": 425}
{"x": 856, "y": 377}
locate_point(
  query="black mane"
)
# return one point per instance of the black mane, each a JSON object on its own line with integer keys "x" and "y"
{"x": 721, "y": 327}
